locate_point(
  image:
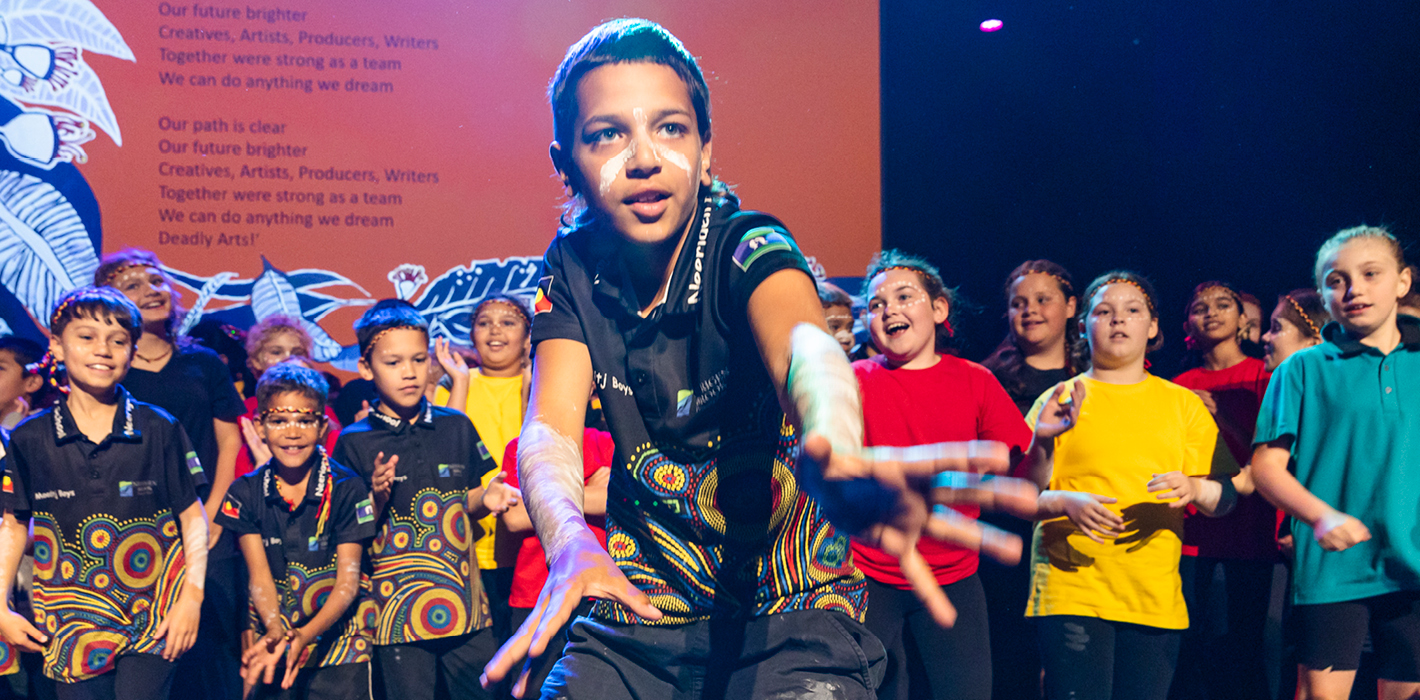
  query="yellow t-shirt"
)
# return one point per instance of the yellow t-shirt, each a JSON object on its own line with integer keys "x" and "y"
{"x": 1125, "y": 435}
{"x": 495, "y": 405}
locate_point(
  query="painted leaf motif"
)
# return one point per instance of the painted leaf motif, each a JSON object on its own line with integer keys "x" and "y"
{"x": 84, "y": 95}
{"x": 447, "y": 301}
{"x": 272, "y": 293}
{"x": 230, "y": 290}
{"x": 76, "y": 22}
{"x": 45, "y": 251}
{"x": 203, "y": 296}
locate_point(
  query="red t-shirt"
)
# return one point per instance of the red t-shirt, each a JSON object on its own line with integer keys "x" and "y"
{"x": 951, "y": 401}
{"x": 1250, "y": 531}
{"x": 244, "y": 462}
{"x": 530, "y": 569}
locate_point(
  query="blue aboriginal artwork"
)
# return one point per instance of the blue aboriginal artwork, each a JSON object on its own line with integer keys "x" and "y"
{"x": 104, "y": 591}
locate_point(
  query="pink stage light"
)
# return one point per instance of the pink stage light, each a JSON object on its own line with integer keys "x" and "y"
{"x": 991, "y": 25}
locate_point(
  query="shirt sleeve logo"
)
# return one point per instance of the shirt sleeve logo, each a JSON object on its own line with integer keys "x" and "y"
{"x": 194, "y": 465}
{"x": 760, "y": 241}
{"x": 231, "y": 508}
{"x": 483, "y": 450}
{"x": 365, "y": 512}
{"x": 6, "y": 485}
{"x": 542, "y": 302}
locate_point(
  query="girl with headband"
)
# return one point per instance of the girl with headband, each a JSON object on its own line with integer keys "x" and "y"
{"x": 915, "y": 393}
{"x": 1129, "y": 451}
{"x": 193, "y": 384}
{"x": 1242, "y": 545}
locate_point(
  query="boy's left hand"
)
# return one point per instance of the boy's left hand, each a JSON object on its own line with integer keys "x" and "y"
{"x": 179, "y": 628}
{"x": 885, "y": 501}
{"x": 297, "y": 652}
{"x": 1174, "y": 485}
{"x": 260, "y": 662}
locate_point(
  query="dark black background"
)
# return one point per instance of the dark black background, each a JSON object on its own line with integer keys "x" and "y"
{"x": 1186, "y": 140}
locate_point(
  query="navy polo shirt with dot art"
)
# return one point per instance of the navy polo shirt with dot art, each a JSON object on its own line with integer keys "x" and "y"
{"x": 107, "y": 543}
{"x": 425, "y": 580}
{"x": 300, "y": 549}
{"x": 704, "y": 513}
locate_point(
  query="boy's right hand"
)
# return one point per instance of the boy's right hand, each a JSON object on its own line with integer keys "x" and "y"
{"x": 382, "y": 480}
{"x": 1337, "y": 531}
{"x": 582, "y": 570}
{"x": 260, "y": 661}
{"x": 18, "y": 631}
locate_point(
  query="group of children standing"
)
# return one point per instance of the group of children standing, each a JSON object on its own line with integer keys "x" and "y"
{"x": 761, "y": 519}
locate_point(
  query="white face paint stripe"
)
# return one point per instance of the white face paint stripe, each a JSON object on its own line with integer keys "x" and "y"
{"x": 614, "y": 167}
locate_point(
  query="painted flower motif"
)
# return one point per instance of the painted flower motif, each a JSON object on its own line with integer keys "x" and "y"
{"x": 407, "y": 280}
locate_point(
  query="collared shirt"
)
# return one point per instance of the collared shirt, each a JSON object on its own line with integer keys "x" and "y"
{"x": 423, "y": 581}
{"x": 107, "y": 543}
{"x": 300, "y": 542}
{"x": 704, "y": 513}
{"x": 1356, "y": 446}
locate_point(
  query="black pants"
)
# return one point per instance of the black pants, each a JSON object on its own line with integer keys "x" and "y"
{"x": 1087, "y": 658}
{"x": 211, "y": 669}
{"x": 343, "y": 682}
{"x": 1221, "y": 657}
{"x": 806, "y": 653}
{"x": 542, "y": 665}
{"x": 923, "y": 659}
{"x": 1015, "y": 659}
{"x": 438, "y": 668}
{"x": 134, "y": 677}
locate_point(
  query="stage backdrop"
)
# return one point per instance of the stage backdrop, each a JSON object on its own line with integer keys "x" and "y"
{"x": 318, "y": 155}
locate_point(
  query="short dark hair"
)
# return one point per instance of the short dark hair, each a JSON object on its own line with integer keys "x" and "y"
{"x": 386, "y": 315}
{"x": 830, "y": 294}
{"x": 99, "y": 304}
{"x": 288, "y": 377}
{"x": 626, "y": 40}
{"x": 25, "y": 351}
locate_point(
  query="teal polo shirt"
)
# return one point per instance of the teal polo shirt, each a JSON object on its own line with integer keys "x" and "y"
{"x": 1354, "y": 414}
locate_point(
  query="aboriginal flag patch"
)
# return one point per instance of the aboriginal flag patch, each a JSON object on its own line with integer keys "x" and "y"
{"x": 7, "y": 485}
{"x": 231, "y": 509}
{"x": 757, "y": 242}
{"x": 542, "y": 302}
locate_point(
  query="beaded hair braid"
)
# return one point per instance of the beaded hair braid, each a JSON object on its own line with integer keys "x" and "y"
{"x": 1316, "y": 332}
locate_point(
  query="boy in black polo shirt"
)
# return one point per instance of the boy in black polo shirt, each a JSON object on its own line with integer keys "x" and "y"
{"x": 724, "y": 579}
{"x": 423, "y": 464}
{"x": 302, "y": 522}
{"x": 109, "y": 483}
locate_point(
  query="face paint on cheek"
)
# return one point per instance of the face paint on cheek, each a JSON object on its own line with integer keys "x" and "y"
{"x": 613, "y": 167}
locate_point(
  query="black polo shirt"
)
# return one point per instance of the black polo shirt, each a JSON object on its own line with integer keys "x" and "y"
{"x": 107, "y": 543}
{"x": 196, "y": 388}
{"x": 704, "y": 513}
{"x": 300, "y": 550}
{"x": 423, "y": 581}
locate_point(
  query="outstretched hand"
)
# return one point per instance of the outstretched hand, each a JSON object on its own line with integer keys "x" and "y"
{"x": 884, "y": 496}
{"x": 582, "y": 570}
